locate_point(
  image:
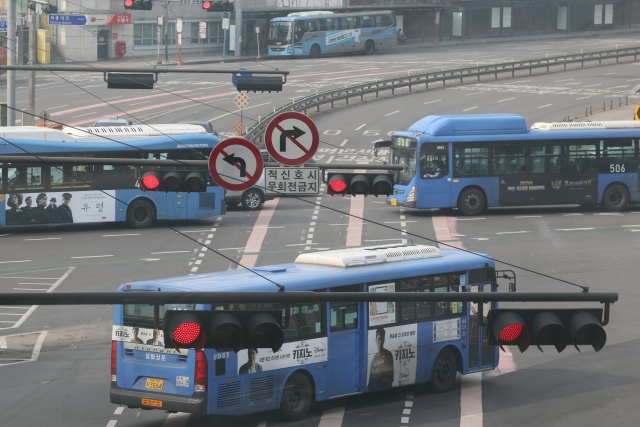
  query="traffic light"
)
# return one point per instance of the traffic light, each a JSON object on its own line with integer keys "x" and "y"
{"x": 138, "y": 4}
{"x": 31, "y": 5}
{"x": 360, "y": 183}
{"x": 259, "y": 83}
{"x": 223, "y": 330}
{"x": 173, "y": 181}
{"x": 218, "y": 6}
{"x": 557, "y": 327}
{"x": 130, "y": 81}
{"x": 49, "y": 8}
{"x": 636, "y": 115}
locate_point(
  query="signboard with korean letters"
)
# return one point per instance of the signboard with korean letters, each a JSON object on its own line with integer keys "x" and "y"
{"x": 292, "y": 180}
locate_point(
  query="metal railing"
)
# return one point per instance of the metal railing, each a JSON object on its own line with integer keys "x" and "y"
{"x": 429, "y": 78}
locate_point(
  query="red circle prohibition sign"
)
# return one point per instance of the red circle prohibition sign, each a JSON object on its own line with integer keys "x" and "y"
{"x": 236, "y": 165}
{"x": 276, "y": 124}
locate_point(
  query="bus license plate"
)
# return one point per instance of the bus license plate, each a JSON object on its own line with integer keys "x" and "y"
{"x": 154, "y": 384}
{"x": 151, "y": 402}
{"x": 277, "y": 53}
{"x": 394, "y": 202}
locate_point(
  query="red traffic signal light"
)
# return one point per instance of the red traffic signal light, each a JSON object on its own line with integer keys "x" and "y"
{"x": 223, "y": 330}
{"x": 173, "y": 181}
{"x": 207, "y": 5}
{"x": 557, "y": 327}
{"x": 128, "y": 4}
{"x": 360, "y": 183}
{"x": 138, "y": 4}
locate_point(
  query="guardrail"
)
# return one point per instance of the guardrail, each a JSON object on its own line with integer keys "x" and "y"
{"x": 393, "y": 83}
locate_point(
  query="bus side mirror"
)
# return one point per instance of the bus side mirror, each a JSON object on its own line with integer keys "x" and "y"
{"x": 379, "y": 144}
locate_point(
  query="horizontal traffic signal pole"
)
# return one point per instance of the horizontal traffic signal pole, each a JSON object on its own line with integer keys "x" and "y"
{"x": 155, "y": 162}
{"x": 152, "y": 70}
{"x": 152, "y": 298}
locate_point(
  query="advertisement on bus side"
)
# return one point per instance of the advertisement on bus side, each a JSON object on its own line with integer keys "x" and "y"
{"x": 60, "y": 207}
{"x": 548, "y": 189}
{"x": 382, "y": 313}
{"x": 392, "y": 357}
{"x": 290, "y": 354}
{"x": 342, "y": 37}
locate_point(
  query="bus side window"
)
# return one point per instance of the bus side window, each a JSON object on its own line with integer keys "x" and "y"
{"x": 25, "y": 178}
{"x": 616, "y": 155}
{"x": 508, "y": 159}
{"x": 581, "y": 158}
{"x": 471, "y": 161}
{"x": 323, "y": 24}
{"x": 68, "y": 176}
{"x": 366, "y": 22}
{"x": 344, "y": 317}
{"x": 378, "y": 21}
{"x": 545, "y": 158}
{"x": 387, "y": 20}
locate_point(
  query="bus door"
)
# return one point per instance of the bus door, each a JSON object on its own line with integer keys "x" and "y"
{"x": 480, "y": 352}
{"x": 435, "y": 174}
{"x": 345, "y": 346}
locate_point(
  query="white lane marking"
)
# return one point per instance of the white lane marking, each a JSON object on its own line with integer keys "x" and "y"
{"x": 112, "y": 423}
{"x": 262, "y": 424}
{"x": 36, "y": 348}
{"x": 609, "y": 213}
{"x": 406, "y": 412}
{"x": 272, "y": 226}
{"x": 565, "y": 80}
{"x": 143, "y": 102}
{"x": 29, "y": 289}
{"x": 471, "y": 400}
{"x": 390, "y": 114}
{"x": 343, "y": 142}
{"x": 431, "y": 102}
{"x": 513, "y": 232}
{"x": 574, "y": 229}
{"x": 599, "y": 84}
{"x": 397, "y": 222}
{"x": 331, "y": 159}
{"x": 584, "y": 97}
{"x": 361, "y": 126}
{"x": 608, "y": 74}
{"x": 479, "y": 238}
{"x": 616, "y": 87}
{"x": 118, "y": 235}
{"x": 472, "y": 94}
{"x": 404, "y": 420}
{"x": 508, "y": 99}
{"x": 635, "y": 225}
{"x": 408, "y": 404}
{"x": 545, "y": 106}
{"x": 169, "y": 252}
{"x": 85, "y": 114}
{"x": 249, "y": 258}
{"x": 119, "y": 410}
{"x": 3, "y": 343}
{"x": 381, "y": 240}
{"x": 530, "y": 216}
{"x": 573, "y": 214}
{"x": 44, "y": 238}
{"x": 10, "y": 262}
{"x": 195, "y": 231}
{"x": 468, "y": 109}
{"x": 332, "y": 417}
{"x": 90, "y": 256}
{"x": 469, "y": 219}
{"x": 302, "y": 244}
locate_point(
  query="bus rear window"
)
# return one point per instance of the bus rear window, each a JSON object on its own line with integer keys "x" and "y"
{"x": 143, "y": 315}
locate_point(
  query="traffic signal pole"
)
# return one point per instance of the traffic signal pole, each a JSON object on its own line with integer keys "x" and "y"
{"x": 11, "y": 60}
{"x": 238, "y": 28}
{"x": 166, "y": 31}
{"x": 31, "y": 75}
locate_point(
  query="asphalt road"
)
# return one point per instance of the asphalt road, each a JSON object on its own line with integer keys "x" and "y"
{"x": 56, "y": 370}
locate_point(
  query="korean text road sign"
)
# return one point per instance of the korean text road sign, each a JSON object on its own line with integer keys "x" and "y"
{"x": 292, "y": 180}
{"x": 235, "y": 164}
{"x": 292, "y": 138}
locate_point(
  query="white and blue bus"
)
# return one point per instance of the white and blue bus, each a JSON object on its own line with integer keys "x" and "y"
{"x": 472, "y": 162}
{"x": 86, "y": 192}
{"x": 330, "y": 350}
{"x": 320, "y": 33}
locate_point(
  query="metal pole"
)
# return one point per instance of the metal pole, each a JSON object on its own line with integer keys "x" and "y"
{"x": 165, "y": 31}
{"x": 224, "y": 45}
{"x": 238, "y": 28}
{"x": 31, "y": 75}
{"x": 11, "y": 60}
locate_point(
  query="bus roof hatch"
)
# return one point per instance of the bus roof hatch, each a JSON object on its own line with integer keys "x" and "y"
{"x": 353, "y": 257}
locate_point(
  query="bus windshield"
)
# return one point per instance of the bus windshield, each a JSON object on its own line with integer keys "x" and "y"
{"x": 403, "y": 152}
{"x": 280, "y": 33}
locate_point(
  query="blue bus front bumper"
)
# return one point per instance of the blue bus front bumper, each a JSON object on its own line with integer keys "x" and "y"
{"x": 396, "y": 202}
{"x": 195, "y": 404}
{"x": 280, "y": 53}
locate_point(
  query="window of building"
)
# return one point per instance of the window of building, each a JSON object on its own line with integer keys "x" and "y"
{"x": 146, "y": 34}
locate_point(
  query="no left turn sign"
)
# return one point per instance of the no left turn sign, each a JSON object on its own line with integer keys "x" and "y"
{"x": 235, "y": 164}
{"x": 292, "y": 138}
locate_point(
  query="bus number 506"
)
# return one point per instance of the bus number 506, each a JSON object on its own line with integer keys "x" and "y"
{"x": 616, "y": 168}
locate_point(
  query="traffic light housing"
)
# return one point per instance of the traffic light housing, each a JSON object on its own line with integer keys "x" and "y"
{"x": 218, "y": 6}
{"x": 31, "y": 5}
{"x": 138, "y": 4}
{"x": 173, "y": 181}
{"x": 223, "y": 330}
{"x": 360, "y": 183}
{"x": 557, "y": 327}
{"x": 636, "y": 114}
{"x": 259, "y": 83}
{"x": 49, "y": 8}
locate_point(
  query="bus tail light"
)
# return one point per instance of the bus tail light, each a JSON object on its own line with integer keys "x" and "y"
{"x": 200, "y": 384}
{"x": 114, "y": 354}
{"x": 411, "y": 197}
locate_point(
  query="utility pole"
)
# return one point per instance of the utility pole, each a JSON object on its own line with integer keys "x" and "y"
{"x": 238, "y": 28}
{"x": 165, "y": 29}
{"x": 11, "y": 60}
{"x": 33, "y": 59}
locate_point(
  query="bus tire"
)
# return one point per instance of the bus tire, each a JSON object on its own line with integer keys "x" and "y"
{"x": 252, "y": 200}
{"x": 141, "y": 213}
{"x": 445, "y": 368}
{"x": 615, "y": 198}
{"x": 472, "y": 201}
{"x": 369, "y": 47}
{"x": 315, "y": 51}
{"x": 297, "y": 396}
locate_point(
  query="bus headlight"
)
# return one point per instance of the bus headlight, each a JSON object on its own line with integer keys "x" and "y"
{"x": 411, "y": 197}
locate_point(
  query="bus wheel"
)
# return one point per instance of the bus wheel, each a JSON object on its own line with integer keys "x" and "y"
{"x": 141, "y": 214}
{"x": 472, "y": 201}
{"x": 315, "y": 51}
{"x": 444, "y": 372}
{"x": 296, "y": 397}
{"x": 616, "y": 198}
{"x": 369, "y": 47}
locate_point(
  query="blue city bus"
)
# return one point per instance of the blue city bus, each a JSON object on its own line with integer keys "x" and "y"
{"x": 473, "y": 162}
{"x": 330, "y": 350}
{"x": 45, "y": 193}
{"x": 319, "y": 33}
